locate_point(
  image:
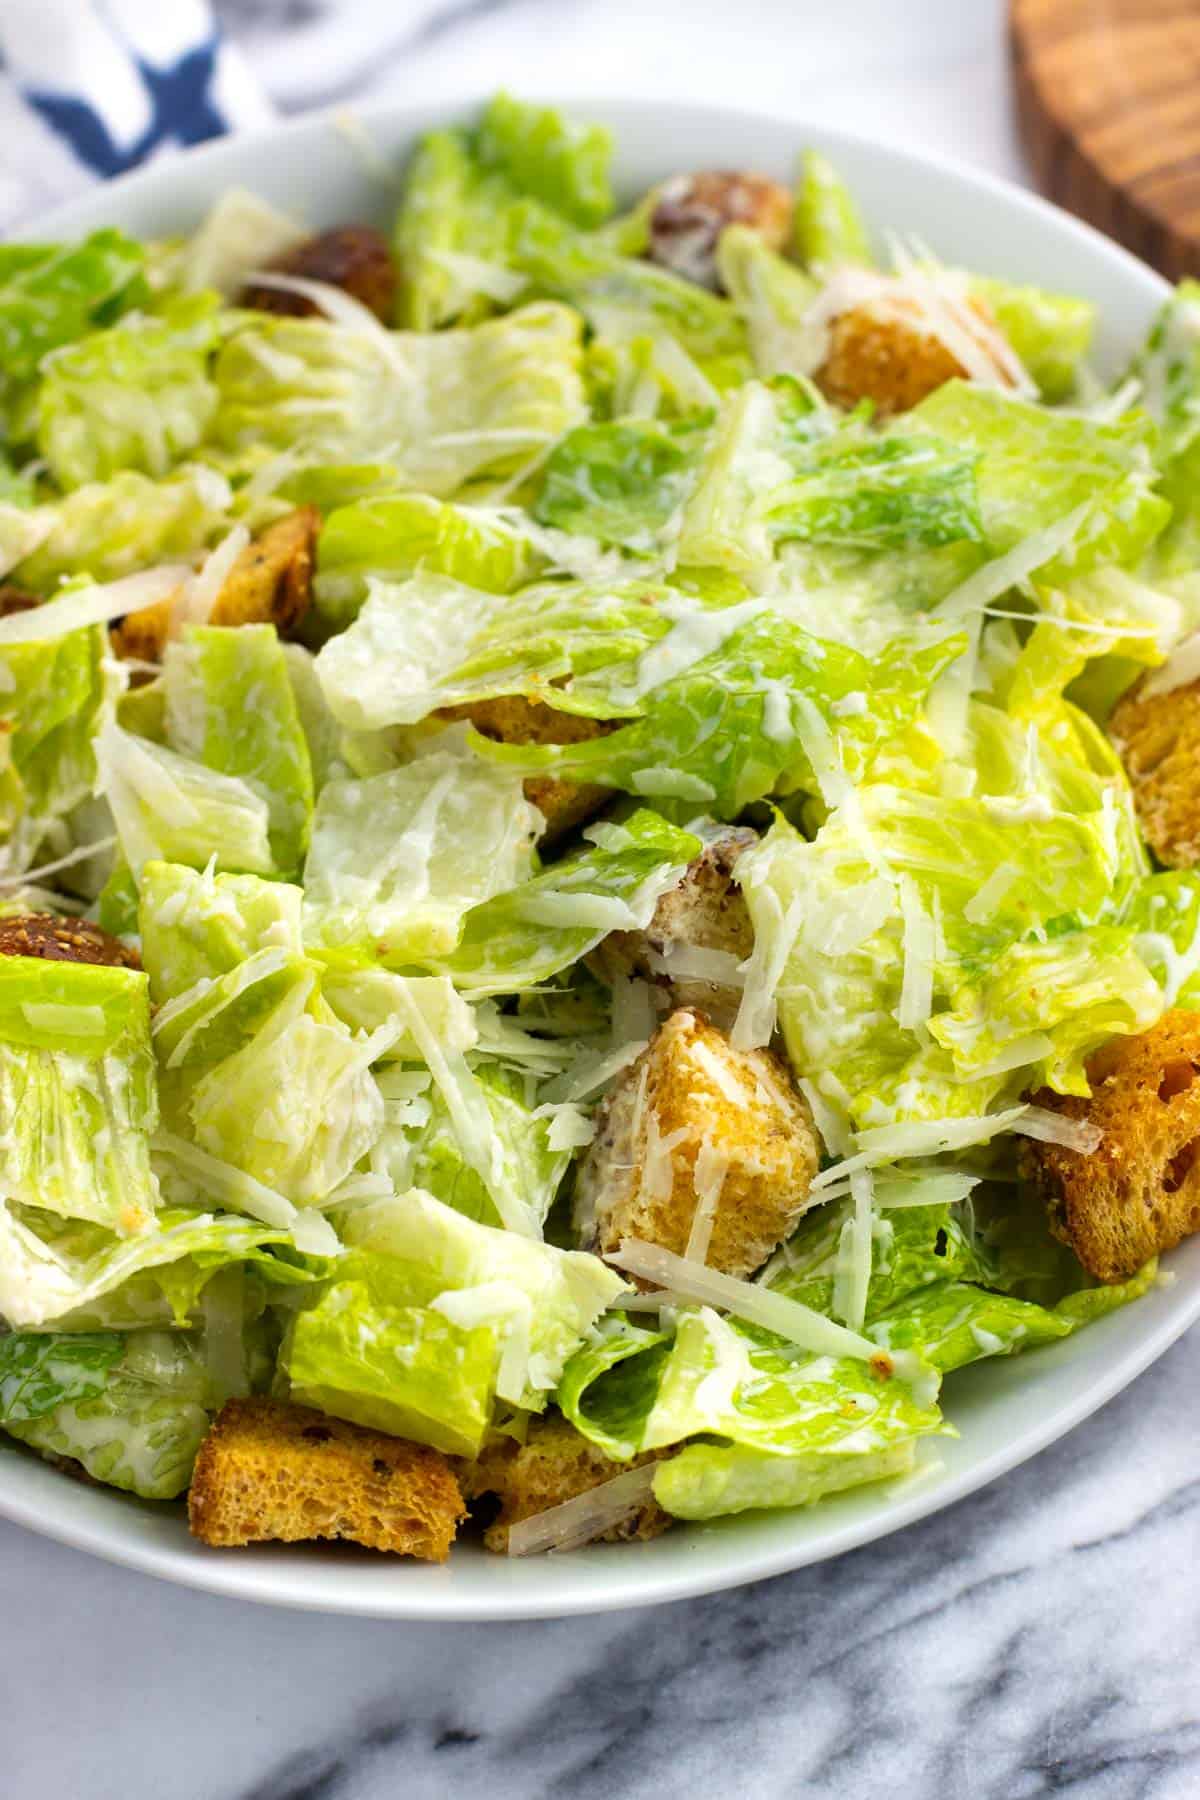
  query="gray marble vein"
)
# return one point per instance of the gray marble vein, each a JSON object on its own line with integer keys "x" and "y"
{"x": 1041, "y": 1638}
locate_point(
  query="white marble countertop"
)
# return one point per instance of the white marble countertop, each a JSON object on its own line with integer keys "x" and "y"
{"x": 1040, "y": 1638}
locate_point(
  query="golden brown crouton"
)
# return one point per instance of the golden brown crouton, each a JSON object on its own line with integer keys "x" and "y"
{"x": 1138, "y": 1192}
{"x": 354, "y": 258}
{"x": 553, "y": 1464}
{"x": 63, "y": 940}
{"x": 876, "y": 355}
{"x": 1158, "y": 739}
{"x": 269, "y": 584}
{"x": 268, "y": 1470}
{"x": 16, "y": 600}
{"x": 705, "y": 912}
{"x": 514, "y": 720}
{"x": 697, "y": 1133}
{"x": 691, "y": 212}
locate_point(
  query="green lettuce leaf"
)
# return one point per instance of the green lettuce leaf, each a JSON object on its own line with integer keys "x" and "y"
{"x": 436, "y": 1317}
{"x": 831, "y": 1418}
{"x": 621, "y": 482}
{"x": 136, "y": 396}
{"x": 296, "y": 1107}
{"x": 170, "y": 808}
{"x": 1080, "y": 462}
{"x": 40, "y": 1371}
{"x": 197, "y": 926}
{"x": 1051, "y": 333}
{"x": 953, "y": 1323}
{"x": 53, "y": 696}
{"x": 442, "y": 407}
{"x": 829, "y": 229}
{"x": 51, "y": 1268}
{"x": 398, "y": 860}
{"x": 395, "y": 535}
{"x": 759, "y": 705}
{"x": 421, "y": 1147}
{"x": 708, "y": 1481}
{"x": 51, "y": 294}
{"x": 529, "y": 934}
{"x": 77, "y": 1085}
{"x": 833, "y": 919}
{"x": 230, "y": 706}
{"x": 772, "y": 295}
{"x": 140, "y": 1427}
{"x": 566, "y": 166}
{"x": 116, "y": 527}
{"x": 782, "y": 466}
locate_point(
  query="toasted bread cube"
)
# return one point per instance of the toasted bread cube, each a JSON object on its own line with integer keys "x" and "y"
{"x": 1158, "y": 739}
{"x": 553, "y": 1464}
{"x": 876, "y": 355}
{"x": 691, "y": 212}
{"x": 355, "y": 258}
{"x": 64, "y": 940}
{"x": 268, "y": 584}
{"x": 704, "y": 912}
{"x": 695, "y": 1124}
{"x": 1138, "y": 1192}
{"x": 515, "y": 720}
{"x": 271, "y": 1471}
{"x": 15, "y": 599}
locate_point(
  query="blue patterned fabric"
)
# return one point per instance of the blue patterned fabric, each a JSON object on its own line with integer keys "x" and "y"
{"x": 118, "y": 81}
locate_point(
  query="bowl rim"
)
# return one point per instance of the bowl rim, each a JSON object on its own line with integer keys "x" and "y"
{"x": 251, "y": 1575}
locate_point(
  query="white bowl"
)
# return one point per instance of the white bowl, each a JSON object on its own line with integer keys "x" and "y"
{"x": 1006, "y": 1410}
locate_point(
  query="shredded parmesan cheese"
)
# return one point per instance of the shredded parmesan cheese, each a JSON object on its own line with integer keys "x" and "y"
{"x": 788, "y": 1319}
{"x": 708, "y": 1177}
{"x": 580, "y": 1520}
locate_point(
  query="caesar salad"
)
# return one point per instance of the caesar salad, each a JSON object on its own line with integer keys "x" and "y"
{"x": 598, "y": 846}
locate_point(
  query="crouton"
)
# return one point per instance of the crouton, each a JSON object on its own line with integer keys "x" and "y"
{"x": 704, "y": 912}
{"x": 553, "y": 1464}
{"x": 268, "y": 1470}
{"x": 15, "y": 600}
{"x": 876, "y": 354}
{"x": 691, "y": 212}
{"x": 514, "y": 720}
{"x": 698, "y": 1135}
{"x": 1138, "y": 1192}
{"x": 63, "y": 940}
{"x": 355, "y": 258}
{"x": 1157, "y": 737}
{"x": 268, "y": 584}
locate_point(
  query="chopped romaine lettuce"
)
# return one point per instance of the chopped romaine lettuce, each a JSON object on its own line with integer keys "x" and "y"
{"x": 169, "y": 808}
{"x": 230, "y": 706}
{"x": 1080, "y": 463}
{"x": 530, "y": 933}
{"x": 51, "y": 294}
{"x": 623, "y": 481}
{"x": 78, "y": 1091}
{"x": 399, "y": 859}
{"x": 112, "y": 528}
{"x": 443, "y": 407}
{"x": 136, "y": 396}
{"x": 140, "y": 1424}
{"x": 1051, "y": 333}
{"x": 394, "y": 535}
{"x": 829, "y": 228}
{"x": 560, "y": 163}
{"x": 422, "y": 1146}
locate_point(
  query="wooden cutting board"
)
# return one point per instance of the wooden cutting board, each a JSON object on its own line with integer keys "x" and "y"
{"x": 1108, "y": 102}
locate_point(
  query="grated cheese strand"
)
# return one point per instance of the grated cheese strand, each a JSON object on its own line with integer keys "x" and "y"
{"x": 578, "y": 1521}
{"x": 788, "y": 1319}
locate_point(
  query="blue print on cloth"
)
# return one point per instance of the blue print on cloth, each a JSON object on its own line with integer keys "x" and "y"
{"x": 183, "y": 113}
